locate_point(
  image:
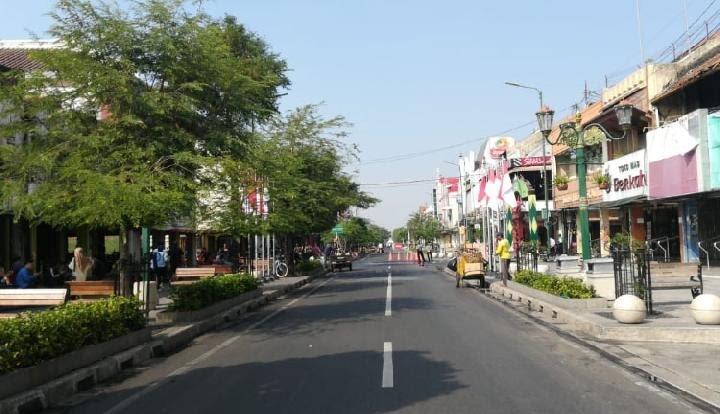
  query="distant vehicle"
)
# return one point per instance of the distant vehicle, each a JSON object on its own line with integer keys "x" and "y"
{"x": 340, "y": 260}
{"x": 398, "y": 246}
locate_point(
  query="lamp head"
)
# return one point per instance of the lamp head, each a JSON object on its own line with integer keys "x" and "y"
{"x": 545, "y": 120}
{"x": 624, "y": 115}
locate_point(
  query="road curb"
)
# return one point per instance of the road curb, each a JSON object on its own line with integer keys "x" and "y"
{"x": 162, "y": 343}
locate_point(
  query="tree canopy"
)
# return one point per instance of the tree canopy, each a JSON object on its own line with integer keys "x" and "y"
{"x": 160, "y": 112}
{"x": 129, "y": 109}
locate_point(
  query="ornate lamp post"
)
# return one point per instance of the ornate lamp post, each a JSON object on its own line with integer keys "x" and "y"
{"x": 546, "y": 210}
{"x": 573, "y": 133}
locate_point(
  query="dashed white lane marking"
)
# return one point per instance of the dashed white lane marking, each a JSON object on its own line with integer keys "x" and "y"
{"x": 388, "y": 298}
{"x": 387, "y": 375}
{"x": 153, "y": 385}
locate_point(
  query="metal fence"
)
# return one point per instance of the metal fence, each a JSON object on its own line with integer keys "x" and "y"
{"x": 527, "y": 259}
{"x": 631, "y": 269}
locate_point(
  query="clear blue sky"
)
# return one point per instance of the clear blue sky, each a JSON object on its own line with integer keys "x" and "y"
{"x": 414, "y": 75}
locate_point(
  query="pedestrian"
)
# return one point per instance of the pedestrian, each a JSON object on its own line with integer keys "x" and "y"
{"x": 428, "y": 252}
{"x": 552, "y": 246}
{"x": 81, "y": 265}
{"x": 420, "y": 255}
{"x": 25, "y": 278}
{"x": 159, "y": 265}
{"x": 503, "y": 251}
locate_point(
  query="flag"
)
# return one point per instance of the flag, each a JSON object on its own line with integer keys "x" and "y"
{"x": 507, "y": 192}
{"x": 492, "y": 189}
{"x": 508, "y": 224}
{"x": 532, "y": 217}
{"x": 482, "y": 196}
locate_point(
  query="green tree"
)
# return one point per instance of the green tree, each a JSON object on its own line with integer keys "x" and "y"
{"x": 423, "y": 226}
{"x": 178, "y": 91}
{"x": 301, "y": 160}
{"x": 399, "y": 234}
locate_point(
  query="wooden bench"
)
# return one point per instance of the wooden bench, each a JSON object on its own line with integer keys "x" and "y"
{"x": 91, "y": 289}
{"x": 668, "y": 276}
{"x": 26, "y": 298}
{"x": 219, "y": 269}
{"x": 188, "y": 275}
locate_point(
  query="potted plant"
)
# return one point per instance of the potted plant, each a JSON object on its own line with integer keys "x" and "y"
{"x": 602, "y": 180}
{"x": 561, "y": 182}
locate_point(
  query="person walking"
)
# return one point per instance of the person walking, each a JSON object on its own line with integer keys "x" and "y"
{"x": 420, "y": 255}
{"x": 81, "y": 265}
{"x": 428, "y": 252}
{"x": 160, "y": 266}
{"x": 503, "y": 251}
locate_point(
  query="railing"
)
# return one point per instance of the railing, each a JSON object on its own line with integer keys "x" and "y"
{"x": 707, "y": 254}
{"x": 715, "y": 245}
{"x": 659, "y": 243}
{"x": 702, "y": 247}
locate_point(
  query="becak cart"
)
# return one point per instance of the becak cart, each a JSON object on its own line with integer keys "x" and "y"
{"x": 470, "y": 265}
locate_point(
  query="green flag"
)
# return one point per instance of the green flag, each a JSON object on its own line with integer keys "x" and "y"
{"x": 532, "y": 218}
{"x": 508, "y": 224}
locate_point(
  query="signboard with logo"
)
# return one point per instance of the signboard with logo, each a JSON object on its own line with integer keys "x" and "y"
{"x": 530, "y": 161}
{"x": 628, "y": 177}
{"x": 498, "y": 147}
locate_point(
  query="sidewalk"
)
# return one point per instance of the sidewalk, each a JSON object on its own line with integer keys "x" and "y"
{"x": 660, "y": 350}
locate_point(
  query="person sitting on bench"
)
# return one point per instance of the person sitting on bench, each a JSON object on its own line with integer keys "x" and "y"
{"x": 25, "y": 278}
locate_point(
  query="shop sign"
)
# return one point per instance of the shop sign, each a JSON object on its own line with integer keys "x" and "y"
{"x": 628, "y": 177}
{"x": 531, "y": 161}
{"x": 496, "y": 147}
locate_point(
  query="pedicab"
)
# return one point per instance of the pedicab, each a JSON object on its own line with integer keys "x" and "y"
{"x": 470, "y": 265}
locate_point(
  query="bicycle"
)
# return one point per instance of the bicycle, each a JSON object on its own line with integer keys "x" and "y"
{"x": 280, "y": 267}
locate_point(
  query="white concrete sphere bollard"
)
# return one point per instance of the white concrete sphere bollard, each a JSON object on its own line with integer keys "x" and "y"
{"x": 629, "y": 309}
{"x": 706, "y": 309}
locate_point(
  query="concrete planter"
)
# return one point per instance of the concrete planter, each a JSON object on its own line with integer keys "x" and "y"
{"x": 705, "y": 309}
{"x": 567, "y": 264}
{"x": 200, "y": 314}
{"x": 24, "y": 379}
{"x": 594, "y": 303}
{"x": 629, "y": 309}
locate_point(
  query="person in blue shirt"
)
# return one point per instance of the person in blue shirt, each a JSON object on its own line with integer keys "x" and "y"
{"x": 25, "y": 278}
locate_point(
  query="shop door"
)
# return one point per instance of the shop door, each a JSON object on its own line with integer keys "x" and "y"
{"x": 664, "y": 223}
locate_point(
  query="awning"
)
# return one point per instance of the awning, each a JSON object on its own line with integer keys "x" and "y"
{"x": 618, "y": 203}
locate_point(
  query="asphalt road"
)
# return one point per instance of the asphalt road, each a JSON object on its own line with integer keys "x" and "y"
{"x": 340, "y": 346}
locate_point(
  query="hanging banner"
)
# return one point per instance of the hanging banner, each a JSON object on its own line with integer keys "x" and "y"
{"x": 628, "y": 177}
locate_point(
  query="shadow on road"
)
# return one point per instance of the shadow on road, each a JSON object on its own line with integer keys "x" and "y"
{"x": 317, "y": 318}
{"x": 346, "y": 383}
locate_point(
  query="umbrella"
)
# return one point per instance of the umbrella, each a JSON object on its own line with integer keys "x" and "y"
{"x": 532, "y": 218}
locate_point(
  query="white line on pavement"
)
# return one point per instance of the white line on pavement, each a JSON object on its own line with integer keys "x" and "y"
{"x": 388, "y": 298}
{"x": 387, "y": 376}
{"x": 150, "y": 387}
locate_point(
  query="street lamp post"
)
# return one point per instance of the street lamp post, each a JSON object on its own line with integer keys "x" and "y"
{"x": 546, "y": 212}
{"x": 573, "y": 134}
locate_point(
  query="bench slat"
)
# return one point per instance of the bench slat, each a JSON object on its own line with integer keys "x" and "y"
{"x": 32, "y": 297}
{"x": 31, "y": 302}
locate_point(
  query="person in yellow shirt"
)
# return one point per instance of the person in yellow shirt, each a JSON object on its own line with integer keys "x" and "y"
{"x": 503, "y": 251}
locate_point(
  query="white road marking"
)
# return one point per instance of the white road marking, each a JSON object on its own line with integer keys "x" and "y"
{"x": 388, "y": 298}
{"x": 387, "y": 376}
{"x": 153, "y": 385}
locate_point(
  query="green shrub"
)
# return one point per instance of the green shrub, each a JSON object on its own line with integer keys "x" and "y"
{"x": 307, "y": 266}
{"x": 210, "y": 290}
{"x": 34, "y": 337}
{"x": 566, "y": 287}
